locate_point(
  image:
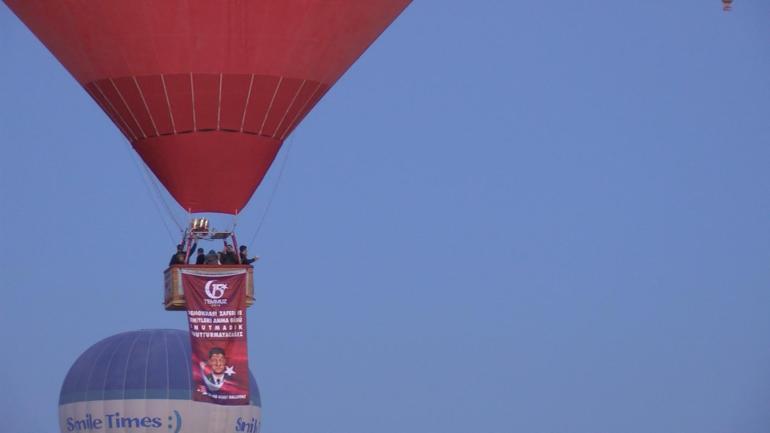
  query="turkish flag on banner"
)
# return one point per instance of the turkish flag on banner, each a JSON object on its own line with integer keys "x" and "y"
{"x": 216, "y": 312}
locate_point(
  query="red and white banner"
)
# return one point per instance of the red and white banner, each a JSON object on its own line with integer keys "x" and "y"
{"x": 216, "y": 312}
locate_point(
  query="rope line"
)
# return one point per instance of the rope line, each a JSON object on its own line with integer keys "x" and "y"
{"x": 289, "y": 145}
{"x": 147, "y": 182}
{"x": 156, "y": 184}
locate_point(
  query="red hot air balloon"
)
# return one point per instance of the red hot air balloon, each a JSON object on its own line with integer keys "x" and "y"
{"x": 207, "y": 91}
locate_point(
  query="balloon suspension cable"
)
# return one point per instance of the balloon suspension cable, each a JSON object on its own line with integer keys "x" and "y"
{"x": 147, "y": 180}
{"x": 235, "y": 246}
{"x": 159, "y": 197}
{"x": 262, "y": 218}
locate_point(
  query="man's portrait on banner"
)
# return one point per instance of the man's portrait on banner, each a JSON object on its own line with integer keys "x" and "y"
{"x": 215, "y": 371}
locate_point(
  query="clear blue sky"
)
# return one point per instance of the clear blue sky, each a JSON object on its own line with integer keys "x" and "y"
{"x": 541, "y": 217}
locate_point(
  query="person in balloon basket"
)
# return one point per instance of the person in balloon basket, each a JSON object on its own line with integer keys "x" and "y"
{"x": 200, "y": 257}
{"x": 245, "y": 260}
{"x": 180, "y": 256}
{"x": 215, "y": 372}
{"x": 228, "y": 256}
{"x": 211, "y": 258}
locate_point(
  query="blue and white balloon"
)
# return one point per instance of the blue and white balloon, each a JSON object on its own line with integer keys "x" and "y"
{"x": 139, "y": 382}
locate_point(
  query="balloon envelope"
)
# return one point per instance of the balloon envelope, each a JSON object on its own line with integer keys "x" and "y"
{"x": 207, "y": 91}
{"x": 140, "y": 381}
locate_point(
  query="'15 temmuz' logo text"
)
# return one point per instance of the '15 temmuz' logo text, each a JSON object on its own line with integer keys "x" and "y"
{"x": 215, "y": 291}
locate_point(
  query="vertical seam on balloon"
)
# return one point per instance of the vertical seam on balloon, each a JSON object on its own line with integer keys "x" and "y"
{"x": 168, "y": 371}
{"x": 189, "y": 368}
{"x": 128, "y": 360}
{"x": 146, "y": 107}
{"x": 299, "y": 113}
{"x": 270, "y": 106}
{"x": 147, "y": 365}
{"x": 125, "y": 104}
{"x": 219, "y": 102}
{"x": 91, "y": 373}
{"x": 168, "y": 103}
{"x": 107, "y": 370}
{"x": 246, "y": 105}
{"x": 116, "y": 111}
{"x": 294, "y": 99}
{"x": 192, "y": 94}
{"x": 109, "y": 112}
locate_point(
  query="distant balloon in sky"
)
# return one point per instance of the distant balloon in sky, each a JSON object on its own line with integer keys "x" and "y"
{"x": 140, "y": 382}
{"x": 727, "y": 5}
{"x": 207, "y": 91}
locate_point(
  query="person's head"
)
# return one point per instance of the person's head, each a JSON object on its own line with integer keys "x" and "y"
{"x": 200, "y": 250}
{"x": 217, "y": 360}
{"x": 212, "y": 252}
{"x": 242, "y": 248}
{"x": 179, "y": 248}
{"x": 228, "y": 247}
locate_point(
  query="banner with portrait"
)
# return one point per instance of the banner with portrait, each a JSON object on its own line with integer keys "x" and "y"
{"x": 216, "y": 314}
